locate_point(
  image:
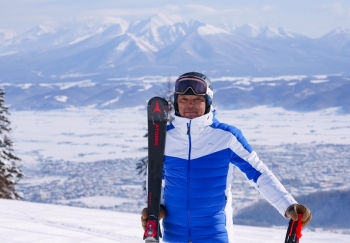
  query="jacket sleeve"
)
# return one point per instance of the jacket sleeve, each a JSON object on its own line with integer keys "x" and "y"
{"x": 271, "y": 188}
{"x": 259, "y": 175}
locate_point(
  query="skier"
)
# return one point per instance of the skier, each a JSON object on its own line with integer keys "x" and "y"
{"x": 200, "y": 153}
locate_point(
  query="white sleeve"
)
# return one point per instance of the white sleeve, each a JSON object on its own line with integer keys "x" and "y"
{"x": 268, "y": 185}
{"x": 274, "y": 192}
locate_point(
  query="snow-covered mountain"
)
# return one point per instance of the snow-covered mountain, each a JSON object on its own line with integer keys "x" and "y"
{"x": 338, "y": 41}
{"x": 300, "y": 93}
{"x": 265, "y": 32}
{"x": 163, "y": 45}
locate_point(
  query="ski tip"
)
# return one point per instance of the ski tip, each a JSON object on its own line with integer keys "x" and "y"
{"x": 159, "y": 99}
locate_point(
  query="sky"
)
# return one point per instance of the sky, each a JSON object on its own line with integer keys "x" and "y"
{"x": 312, "y": 18}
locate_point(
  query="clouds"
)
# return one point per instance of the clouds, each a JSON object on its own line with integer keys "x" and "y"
{"x": 268, "y": 8}
{"x": 312, "y": 17}
{"x": 338, "y": 9}
{"x": 6, "y": 34}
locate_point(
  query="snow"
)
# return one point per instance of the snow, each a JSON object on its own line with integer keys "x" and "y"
{"x": 26, "y": 222}
{"x": 88, "y": 135}
{"x": 61, "y": 98}
{"x": 77, "y": 75}
{"x": 319, "y": 81}
{"x": 271, "y": 32}
{"x": 261, "y": 79}
{"x": 272, "y": 126}
{"x": 321, "y": 76}
{"x": 44, "y": 30}
{"x": 253, "y": 31}
{"x": 286, "y": 78}
{"x": 81, "y": 38}
{"x": 63, "y": 86}
{"x": 211, "y": 30}
{"x": 39, "y": 181}
{"x": 248, "y": 30}
{"x": 159, "y": 20}
{"x": 25, "y": 86}
{"x": 79, "y": 134}
{"x": 110, "y": 102}
{"x": 122, "y": 45}
{"x": 99, "y": 201}
{"x": 142, "y": 44}
{"x": 6, "y": 34}
{"x": 146, "y": 87}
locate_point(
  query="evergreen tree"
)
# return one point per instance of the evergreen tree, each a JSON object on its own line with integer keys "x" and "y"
{"x": 10, "y": 174}
{"x": 167, "y": 94}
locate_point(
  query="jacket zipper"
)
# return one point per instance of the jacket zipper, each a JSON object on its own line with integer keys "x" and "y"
{"x": 188, "y": 180}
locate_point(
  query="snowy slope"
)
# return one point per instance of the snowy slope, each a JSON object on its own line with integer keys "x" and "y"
{"x": 24, "y": 222}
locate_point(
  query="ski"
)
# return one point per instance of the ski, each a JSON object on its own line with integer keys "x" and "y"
{"x": 157, "y": 114}
{"x": 293, "y": 234}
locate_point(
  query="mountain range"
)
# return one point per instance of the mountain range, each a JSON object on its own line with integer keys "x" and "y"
{"x": 167, "y": 46}
{"x": 300, "y": 93}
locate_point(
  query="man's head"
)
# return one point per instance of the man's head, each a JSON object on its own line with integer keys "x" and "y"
{"x": 193, "y": 95}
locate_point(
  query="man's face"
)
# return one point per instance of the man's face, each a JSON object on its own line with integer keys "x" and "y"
{"x": 191, "y": 106}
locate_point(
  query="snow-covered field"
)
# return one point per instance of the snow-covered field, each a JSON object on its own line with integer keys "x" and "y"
{"x": 93, "y": 135}
{"x": 88, "y": 135}
{"x": 25, "y": 222}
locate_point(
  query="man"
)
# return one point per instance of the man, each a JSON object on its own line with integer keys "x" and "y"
{"x": 200, "y": 153}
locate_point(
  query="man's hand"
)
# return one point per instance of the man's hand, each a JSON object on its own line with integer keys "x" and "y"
{"x": 295, "y": 209}
{"x": 144, "y": 215}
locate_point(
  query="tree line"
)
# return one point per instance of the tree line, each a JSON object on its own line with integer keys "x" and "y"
{"x": 10, "y": 173}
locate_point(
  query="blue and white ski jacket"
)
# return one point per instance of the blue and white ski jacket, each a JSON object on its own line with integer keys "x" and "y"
{"x": 199, "y": 157}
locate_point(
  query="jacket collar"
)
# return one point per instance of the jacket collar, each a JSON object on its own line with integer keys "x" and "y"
{"x": 196, "y": 125}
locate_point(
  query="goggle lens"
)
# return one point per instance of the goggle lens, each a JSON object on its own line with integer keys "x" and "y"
{"x": 198, "y": 86}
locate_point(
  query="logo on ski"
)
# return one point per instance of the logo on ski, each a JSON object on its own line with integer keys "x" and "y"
{"x": 156, "y": 134}
{"x": 157, "y": 108}
{"x": 150, "y": 198}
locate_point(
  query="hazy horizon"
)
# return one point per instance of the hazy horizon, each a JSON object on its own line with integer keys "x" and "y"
{"x": 312, "y": 18}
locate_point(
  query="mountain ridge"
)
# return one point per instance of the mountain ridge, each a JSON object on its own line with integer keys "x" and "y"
{"x": 160, "y": 45}
{"x": 299, "y": 93}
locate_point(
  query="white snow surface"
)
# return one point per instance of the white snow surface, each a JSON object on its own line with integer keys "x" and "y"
{"x": 61, "y": 98}
{"x": 211, "y": 30}
{"x": 26, "y": 222}
{"x": 88, "y": 135}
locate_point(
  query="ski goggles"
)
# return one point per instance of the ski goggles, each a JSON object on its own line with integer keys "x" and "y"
{"x": 198, "y": 86}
